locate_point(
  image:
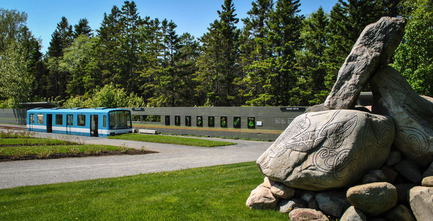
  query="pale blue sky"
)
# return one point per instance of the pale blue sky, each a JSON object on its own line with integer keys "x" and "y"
{"x": 193, "y": 16}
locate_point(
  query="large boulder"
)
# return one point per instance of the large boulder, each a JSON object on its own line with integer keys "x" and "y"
{"x": 373, "y": 49}
{"x": 328, "y": 149}
{"x": 412, "y": 113}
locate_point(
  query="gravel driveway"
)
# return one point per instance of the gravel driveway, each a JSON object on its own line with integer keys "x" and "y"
{"x": 169, "y": 157}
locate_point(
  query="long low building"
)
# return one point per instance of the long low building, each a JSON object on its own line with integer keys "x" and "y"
{"x": 235, "y": 122}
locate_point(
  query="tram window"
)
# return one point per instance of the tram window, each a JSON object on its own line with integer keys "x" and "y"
{"x": 32, "y": 118}
{"x": 59, "y": 119}
{"x": 40, "y": 119}
{"x": 81, "y": 120}
{"x": 104, "y": 121}
{"x": 120, "y": 119}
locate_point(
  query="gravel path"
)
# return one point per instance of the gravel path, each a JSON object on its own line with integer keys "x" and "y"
{"x": 169, "y": 157}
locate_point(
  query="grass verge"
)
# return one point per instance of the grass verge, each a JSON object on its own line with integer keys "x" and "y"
{"x": 172, "y": 140}
{"x": 210, "y": 193}
{"x": 23, "y": 147}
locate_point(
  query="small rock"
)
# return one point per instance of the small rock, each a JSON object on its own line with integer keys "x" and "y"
{"x": 421, "y": 202}
{"x": 353, "y": 214}
{"x": 390, "y": 173}
{"x": 400, "y": 212}
{"x": 286, "y": 206}
{"x": 403, "y": 191}
{"x": 262, "y": 198}
{"x": 373, "y": 198}
{"x": 332, "y": 203}
{"x": 307, "y": 215}
{"x": 308, "y": 196}
{"x": 429, "y": 171}
{"x": 410, "y": 170}
{"x": 266, "y": 182}
{"x": 393, "y": 158}
{"x": 374, "y": 176}
{"x": 281, "y": 191}
{"x": 427, "y": 181}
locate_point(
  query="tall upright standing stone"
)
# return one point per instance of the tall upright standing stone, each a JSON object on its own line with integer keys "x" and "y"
{"x": 372, "y": 50}
{"x": 412, "y": 113}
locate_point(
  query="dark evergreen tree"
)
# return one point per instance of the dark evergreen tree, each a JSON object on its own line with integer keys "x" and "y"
{"x": 60, "y": 39}
{"x": 285, "y": 26}
{"x": 219, "y": 63}
{"x": 108, "y": 46}
{"x": 82, "y": 28}
{"x": 56, "y": 78}
{"x": 255, "y": 51}
{"x": 311, "y": 59}
{"x": 130, "y": 21}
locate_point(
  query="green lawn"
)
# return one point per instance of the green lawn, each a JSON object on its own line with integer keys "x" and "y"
{"x": 210, "y": 193}
{"x": 171, "y": 140}
{"x": 32, "y": 141}
{"x": 20, "y": 146}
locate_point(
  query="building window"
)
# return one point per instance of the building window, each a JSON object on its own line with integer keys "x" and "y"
{"x": 237, "y": 122}
{"x": 223, "y": 121}
{"x": 251, "y": 122}
{"x": 59, "y": 119}
{"x": 199, "y": 121}
{"x": 188, "y": 121}
{"x": 167, "y": 120}
{"x": 177, "y": 120}
{"x": 81, "y": 120}
{"x": 211, "y": 121}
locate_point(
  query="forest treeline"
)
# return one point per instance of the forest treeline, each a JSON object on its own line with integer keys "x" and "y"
{"x": 278, "y": 58}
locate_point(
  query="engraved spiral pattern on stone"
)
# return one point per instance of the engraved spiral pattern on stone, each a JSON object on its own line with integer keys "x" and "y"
{"x": 416, "y": 139}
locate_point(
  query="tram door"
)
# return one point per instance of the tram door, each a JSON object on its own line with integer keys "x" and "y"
{"x": 49, "y": 123}
{"x": 69, "y": 123}
{"x": 94, "y": 125}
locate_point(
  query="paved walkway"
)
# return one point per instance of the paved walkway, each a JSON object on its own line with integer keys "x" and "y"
{"x": 169, "y": 157}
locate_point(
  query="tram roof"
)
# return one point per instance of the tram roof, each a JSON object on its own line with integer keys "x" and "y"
{"x": 74, "y": 110}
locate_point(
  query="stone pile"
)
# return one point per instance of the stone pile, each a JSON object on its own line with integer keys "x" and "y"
{"x": 349, "y": 163}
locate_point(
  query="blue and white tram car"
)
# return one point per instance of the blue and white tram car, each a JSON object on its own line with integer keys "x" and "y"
{"x": 97, "y": 122}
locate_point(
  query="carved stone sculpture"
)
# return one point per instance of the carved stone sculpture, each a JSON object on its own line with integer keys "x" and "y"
{"x": 328, "y": 149}
{"x": 412, "y": 113}
{"x": 373, "y": 49}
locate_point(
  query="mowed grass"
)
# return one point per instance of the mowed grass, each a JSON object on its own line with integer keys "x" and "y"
{"x": 41, "y": 152}
{"x": 209, "y": 193}
{"x": 32, "y": 141}
{"x": 20, "y": 147}
{"x": 172, "y": 140}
